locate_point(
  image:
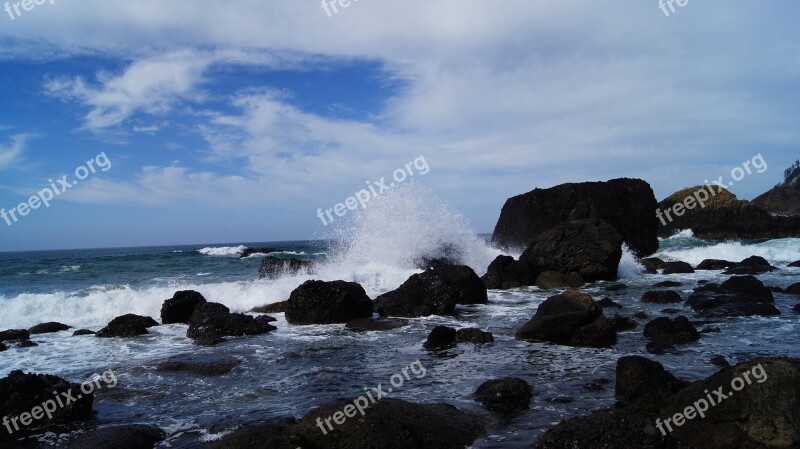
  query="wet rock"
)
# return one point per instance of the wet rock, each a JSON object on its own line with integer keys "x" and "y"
{"x": 776, "y": 289}
{"x": 470, "y": 287}
{"x": 441, "y": 337}
{"x": 80, "y": 332}
{"x": 129, "y": 325}
{"x": 506, "y": 395}
{"x": 621, "y": 323}
{"x": 571, "y": 318}
{"x": 737, "y": 296}
{"x": 435, "y": 291}
{"x": 48, "y": 328}
{"x": 208, "y": 328}
{"x": 506, "y": 273}
{"x": 667, "y": 284}
{"x": 793, "y": 289}
{"x": 180, "y": 308}
{"x": 372, "y": 325}
{"x": 199, "y": 364}
{"x": 665, "y": 331}
{"x": 278, "y": 307}
{"x": 119, "y": 437}
{"x": 677, "y": 268}
{"x": 641, "y": 316}
{"x": 14, "y": 334}
{"x": 207, "y": 309}
{"x": 661, "y": 297}
{"x": 253, "y": 251}
{"x": 3, "y": 347}
{"x": 274, "y": 267}
{"x": 272, "y": 435}
{"x": 552, "y": 279}
{"x": 652, "y": 264}
{"x": 753, "y": 265}
{"x": 644, "y": 383}
{"x": 614, "y": 287}
{"x": 796, "y": 308}
{"x": 474, "y": 335}
{"x": 320, "y": 302}
{"x": 388, "y": 424}
{"x": 795, "y": 264}
{"x": 715, "y": 264}
{"x": 608, "y": 303}
{"x": 720, "y": 362}
{"x": 27, "y": 344}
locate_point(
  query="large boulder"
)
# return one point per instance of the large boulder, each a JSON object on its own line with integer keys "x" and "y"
{"x": 319, "y": 302}
{"x": 738, "y": 296}
{"x": 626, "y": 204}
{"x": 755, "y": 404}
{"x": 571, "y": 318}
{"x": 180, "y": 308}
{"x": 676, "y": 268}
{"x": 48, "y": 328}
{"x": 387, "y": 424}
{"x": 436, "y": 291}
{"x": 644, "y": 383}
{"x": 129, "y": 325}
{"x": 119, "y": 437}
{"x": 275, "y": 267}
{"x": 506, "y": 395}
{"x": 505, "y": 272}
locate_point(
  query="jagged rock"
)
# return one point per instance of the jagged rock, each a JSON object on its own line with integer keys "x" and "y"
{"x": 781, "y": 200}
{"x": 506, "y": 395}
{"x": 571, "y": 318}
{"x": 180, "y": 308}
{"x": 506, "y": 273}
{"x": 129, "y": 325}
{"x": 738, "y": 296}
{"x": 319, "y": 302}
{"x": 661, "y": 297}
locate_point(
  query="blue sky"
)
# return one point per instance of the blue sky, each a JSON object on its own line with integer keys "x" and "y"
{"x": 236, "y": 121}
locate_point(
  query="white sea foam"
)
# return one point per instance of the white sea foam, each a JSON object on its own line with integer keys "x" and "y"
{"x": 222, "y": 251}
{"x": 629, "y": 266}
{"x": 778, "y": 252}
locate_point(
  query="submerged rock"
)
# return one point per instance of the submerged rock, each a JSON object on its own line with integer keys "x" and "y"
{"x": 209, "y": 324}
{"x": 440, "y": 337}
{"x": 129, "y": 325}
{"x": 506, "y": 395}
{"x": 81, "y": 332}
{"x": 319, "y": 302}
{"x": 474, "y": 335}
{"x": 571, "y": 318}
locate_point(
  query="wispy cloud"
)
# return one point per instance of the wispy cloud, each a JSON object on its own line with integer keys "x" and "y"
{"x": 11, "y": 154}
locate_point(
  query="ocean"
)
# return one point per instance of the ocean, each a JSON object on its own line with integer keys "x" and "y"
{"x": 296, "y": 368}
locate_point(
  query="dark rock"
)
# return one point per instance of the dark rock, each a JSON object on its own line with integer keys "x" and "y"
{"x": 796, "y": 308}
{"x": 795, "y": 264}
{"x": 207, "y": 309}
{"x": 782, "y": 200}
{"x": 199, "y": 364}
{"x": 506, "y": 395}
{"x": 720, "y": 362}
{"x": 389, "y": 424}
{"x": 272, "y": 435}
{"x": 440, "y": 337}
{"x": 14, "y": 334}
{"x": 607, "y": 303}
{"x": 48, "y": 328}
{"x": 641, "y": 315}
{"x": 180, "y": 308}
{"x": 627, "y": 205}
{"x": 3, "y": 347}
{"x": 278, "y": 307}
{"x": 671, "y": 311}
{"x": 80, "y": 332}
{"x": 644, "y": 383}
{"x": 667, "y": 284}
{"x": 710, "y": 330}
{"x": 793, "y": 289}
{"x": 667, "y": 331}
{"x": 614, "y": 287}
{"x": 570, "y": 318}
{"x": 119, "y": 437}
{"x": 27, "y": 344}
{"x": 596, "y": 385}
{"x": 474, "y": 335}
{"x": 505, "y": 273}
{"x": 753, "y": 265}
{"x": 319, "y": 302}
{"x": 621, "y": 323}
{"x": 209, "y": 338}
{"x": 677, "y": 268}
{"x": 776, "y": 289}
{"x": 552, "y": 279}
{"x": 652, "y": 264}
{"x": 370, "y": 325}
{"x": 21, "y": 393}
{"x": 738, "y": 296}
{"x": 208, "y": 329}
{"x": 715, "y": 264}
{"x": 659, "y": 348}
{"x": 264, "y": 250}
{"x": 274, "y": 267}
{"x": 129, "y": 325}
{"x": 661, "y": 297}
{"x": 436, "y": 291}
{"x": 764, "y": 414}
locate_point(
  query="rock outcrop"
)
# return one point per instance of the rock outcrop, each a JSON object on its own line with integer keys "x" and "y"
{"x": 436, "y": 291}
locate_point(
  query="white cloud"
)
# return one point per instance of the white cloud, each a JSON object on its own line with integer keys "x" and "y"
{"x": 10, "y": 154}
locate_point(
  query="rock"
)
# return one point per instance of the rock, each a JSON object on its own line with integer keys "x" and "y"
{"x": 207, "y": 327}
{"x": 614, "y": 287}
{"x": 661, "y": 297}
{"x": 441, "y": 337}
{"x": 80, "y": 332}
{"x": 726, "y": 218}
{"x": 795, "y": 264}
{"x": 666, "y": 331}
{"x": 667, "y": 284}
{"x": 552, "y": 279}
{"x": 209, "y": 338}
{"x": 720, "y": 361}
{"x": 207, "y": 309}
{"x": 591, "y": 248}
{"x": 48, "y": 328}
{"x": 435, "y": 291}
{"x": 793, "y": 289}
{"x": 764, "y": 414}
{"x": 278, "y": 307}
{"x": 274, "y": 267}
{"x": 119, "y": 437}
{"x": 21, "y": 393}
{"x": 252, "y": 251}
{"x": 652, "y": 264}
{"x": 506, "y": 395}
{"x": 621, "y": 323}
{"x": 372, "y": 325}
{"x": 738, "y": 296}
{"x": 781, "y": 200}
{"x": 129, "y": 325}
{"x": 571, "y": 318}
{"x": 389, "y": 424}
{"x": 607, "y": 303}
{"x": 644, "y": 383}
{"x": 627, "y": 205}
{"x": 796, "y": 308}
{"x": 3, "y": 347}
{"x": 319, "y": 302}
{"x": 715, "y": 264}
{"x": 624, "y": 428}
{"x": 474, "y": 335}
{"x": 641, "y": 315}
{"x": 505, "y": 273}
{"x": 776, "y": 289}
{"x": 199, "y": 364}
{"x": 27, "y": 344}
{"x": 180, "y": 308}
{"x": 14, "y": 334}
{"x": 753, "y": 265}
{"x": 677, "y": 268}
{"x": 272, "y": 435}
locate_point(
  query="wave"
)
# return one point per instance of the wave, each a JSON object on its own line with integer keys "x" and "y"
{"x": 681, "y": 235}
{"x": 629, "y": 266}
{"x": 779, "y": 251}
{"x": 282, "y": 253}
{"x": 226, "y": 251}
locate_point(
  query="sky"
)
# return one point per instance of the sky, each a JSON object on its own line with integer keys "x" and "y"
{"x": 237, "y": 121}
